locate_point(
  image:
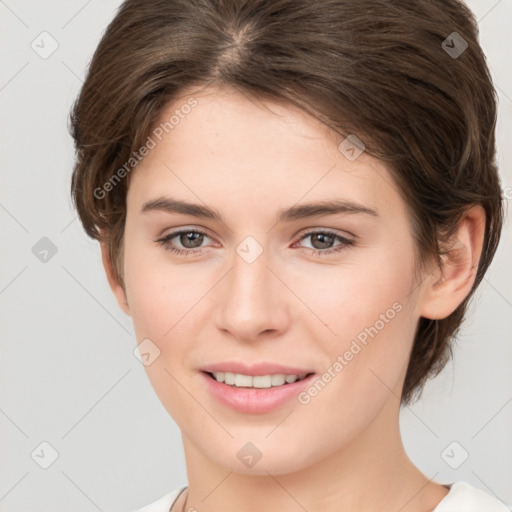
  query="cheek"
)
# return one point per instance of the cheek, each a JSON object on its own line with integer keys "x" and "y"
{"x": 159, "y": 292}
{"x": 162, "y": 299}
{"x": 368, "y": 314}
{"x": 358, "y": 292}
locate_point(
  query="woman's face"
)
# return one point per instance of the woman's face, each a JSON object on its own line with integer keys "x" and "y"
{"x": 269, "y": 283}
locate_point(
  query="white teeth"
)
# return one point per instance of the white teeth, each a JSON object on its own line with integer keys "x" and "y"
{"x": 219, "y": 376}
{"x": 278, "y": 379}
{"x": 243, "y": 381}
{"x": 258, "y": 381}
{"x": 263, "y": 381}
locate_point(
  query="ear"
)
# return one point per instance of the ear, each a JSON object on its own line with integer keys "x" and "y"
{"x": 447, "y": 287}
{"x": 113, "y": 280}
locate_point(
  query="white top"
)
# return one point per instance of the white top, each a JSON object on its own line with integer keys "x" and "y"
{"x": 462, "y": 497}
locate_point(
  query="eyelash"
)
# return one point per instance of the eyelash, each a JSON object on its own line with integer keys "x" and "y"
{"x": 345, "y": 242}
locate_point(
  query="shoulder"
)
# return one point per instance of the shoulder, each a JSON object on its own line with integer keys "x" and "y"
{"x": 164, "y": 503}
{"x": 463, "y": 497}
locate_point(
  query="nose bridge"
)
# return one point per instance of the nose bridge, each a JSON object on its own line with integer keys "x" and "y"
{"x": 253, "y": 301}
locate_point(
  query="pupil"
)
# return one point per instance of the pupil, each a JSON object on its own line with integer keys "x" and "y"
{"x": 322, "y": 237}
{"x": 186, "y": 238}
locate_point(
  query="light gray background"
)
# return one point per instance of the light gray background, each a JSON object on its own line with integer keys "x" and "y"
{"x": 68, "y": 373}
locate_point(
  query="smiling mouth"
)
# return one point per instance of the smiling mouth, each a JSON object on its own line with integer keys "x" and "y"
{"x": 238, "y": 380}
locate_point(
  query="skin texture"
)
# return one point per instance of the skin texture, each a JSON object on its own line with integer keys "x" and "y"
{"x": 248, "y": 159}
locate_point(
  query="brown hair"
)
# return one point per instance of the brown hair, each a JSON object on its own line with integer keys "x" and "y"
{"x": 390, "y": 71}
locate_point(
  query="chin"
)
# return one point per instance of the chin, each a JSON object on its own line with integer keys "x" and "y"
{"x": 281, "y": 456}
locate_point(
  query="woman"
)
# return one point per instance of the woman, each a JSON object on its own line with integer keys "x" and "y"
{"x": 295, "y": 201}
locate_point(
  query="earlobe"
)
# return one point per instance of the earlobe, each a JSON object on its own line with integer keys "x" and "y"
{"x": 447, "y": 287}
{"x": 113, "y": 281}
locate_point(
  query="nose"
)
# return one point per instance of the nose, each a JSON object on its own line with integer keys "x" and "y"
{"x": 254, "y": 302}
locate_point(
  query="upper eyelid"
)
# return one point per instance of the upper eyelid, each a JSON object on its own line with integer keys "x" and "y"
{"x": 179, "y": 231}
{"x": 327, "y": 230}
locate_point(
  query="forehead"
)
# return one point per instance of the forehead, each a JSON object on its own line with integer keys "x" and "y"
{"x": 233, "y": 150}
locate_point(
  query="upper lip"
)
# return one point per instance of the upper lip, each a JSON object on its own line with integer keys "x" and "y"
{"x": 262, "y": 368}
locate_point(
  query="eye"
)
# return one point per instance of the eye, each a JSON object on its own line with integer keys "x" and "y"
{"x": 190, "y": 239}
{"x": 321, "y": 240}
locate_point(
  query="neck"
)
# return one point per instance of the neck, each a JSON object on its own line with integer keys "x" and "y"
{"x": 371, "y": 473}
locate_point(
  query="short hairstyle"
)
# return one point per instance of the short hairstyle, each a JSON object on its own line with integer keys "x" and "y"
{"x": 408, "y": 78}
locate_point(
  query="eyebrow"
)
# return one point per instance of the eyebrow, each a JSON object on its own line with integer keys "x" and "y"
{"x": 297, "y": 212}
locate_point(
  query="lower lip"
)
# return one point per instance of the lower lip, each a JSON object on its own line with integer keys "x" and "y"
{"x": 255, "y": 400}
